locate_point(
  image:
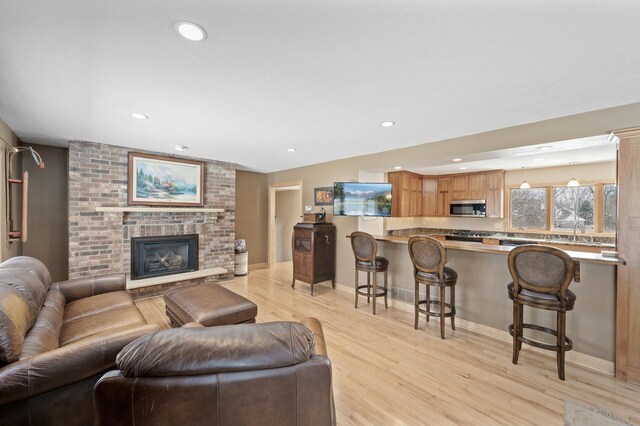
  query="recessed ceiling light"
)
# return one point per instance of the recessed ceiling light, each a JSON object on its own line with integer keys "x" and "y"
{"x": 387, "y": 123}
{"x": 181, "y": 148}
{"x": 463, "y": 168}
{"x": 538, "y": 159}
{"x": 190, "y": 31}
{"x": 398, "y": 167}
{"x": 139, "y": 116}
{"x": 545, "y": 148}
{"x": 291, "y": 149}
{"x": 457, "y": 159}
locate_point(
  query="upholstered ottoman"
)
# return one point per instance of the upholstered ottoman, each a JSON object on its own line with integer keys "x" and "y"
{"x": 208, "y": 304}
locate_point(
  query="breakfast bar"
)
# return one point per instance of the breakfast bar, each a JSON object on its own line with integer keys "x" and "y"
{"x": 481, "y": 292}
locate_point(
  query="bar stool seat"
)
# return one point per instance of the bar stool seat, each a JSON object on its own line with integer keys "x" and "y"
{"x": 450, "y": 276}
{"x": 380, "y": 265}
{"x": 550, "y": 299}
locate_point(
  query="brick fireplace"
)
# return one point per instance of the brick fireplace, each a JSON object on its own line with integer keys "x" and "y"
{"x": 100, "y": 242}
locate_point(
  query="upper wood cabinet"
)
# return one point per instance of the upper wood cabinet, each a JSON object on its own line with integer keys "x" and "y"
{"x": 469, "y": 186}
{"x": 495, "y": 194}
{"x": 416, "y": 195}
{"x": 444, "y": 196}
{"x": 406, "y": 194}
{"x": 429, "y": 196}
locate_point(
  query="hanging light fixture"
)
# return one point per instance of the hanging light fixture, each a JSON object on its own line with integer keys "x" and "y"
{"x": 573, "y": 182}
{"x": 524, "y": 184}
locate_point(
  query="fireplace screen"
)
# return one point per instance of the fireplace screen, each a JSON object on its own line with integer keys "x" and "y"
{"x": 156, "y": 256}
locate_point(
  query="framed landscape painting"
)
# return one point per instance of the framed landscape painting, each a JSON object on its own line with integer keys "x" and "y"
{"x": 165, "y": 181}
{"x": 323, "y": 196}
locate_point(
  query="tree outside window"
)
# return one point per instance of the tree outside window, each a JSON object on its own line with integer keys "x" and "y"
{"x": 574, "y": 206}
{"x": 529, "y": 208}
{"x": 610, "y": 207}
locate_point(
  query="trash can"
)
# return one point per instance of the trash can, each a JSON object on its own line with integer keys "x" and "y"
{"x": 241, "y": 263}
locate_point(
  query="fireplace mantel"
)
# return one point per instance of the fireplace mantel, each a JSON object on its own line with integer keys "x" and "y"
{"x": 159, "y": 209}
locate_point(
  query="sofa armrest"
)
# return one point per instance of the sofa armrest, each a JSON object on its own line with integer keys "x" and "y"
{"x": 316, "y": 328}
{"x": 192, "y": 325}
{"x": 90, "y": 286}
{"x": 66, "y": 365}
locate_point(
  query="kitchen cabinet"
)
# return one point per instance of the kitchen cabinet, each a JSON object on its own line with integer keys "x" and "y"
{"x": 429, "y": 196}
{"x": 469, "y": 186}
{"x": 406, "y": 194}
{"x": 495, "y": 194}
{"x": 444, "y": 196}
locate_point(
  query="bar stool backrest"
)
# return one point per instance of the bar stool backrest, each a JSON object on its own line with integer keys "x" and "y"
{"x": 365, "y": 247}
{"x": 427, "y": 255}
{"x": 542, "y": 269}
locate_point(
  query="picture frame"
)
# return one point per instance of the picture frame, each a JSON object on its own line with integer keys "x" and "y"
{"x": 323, "y": 196}
{"x": 155, "y": 180}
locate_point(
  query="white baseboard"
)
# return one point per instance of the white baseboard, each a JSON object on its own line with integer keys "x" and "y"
{"x": 573, "y": 357}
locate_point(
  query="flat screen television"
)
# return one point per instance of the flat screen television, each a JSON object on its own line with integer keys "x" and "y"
{"x": 361, "y": 199}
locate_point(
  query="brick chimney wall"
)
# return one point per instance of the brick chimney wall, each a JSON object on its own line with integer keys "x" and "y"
{"x": 99, "y": 242}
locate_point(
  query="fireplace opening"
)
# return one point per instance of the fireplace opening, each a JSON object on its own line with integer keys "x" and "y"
{"x": 157, "y": 256}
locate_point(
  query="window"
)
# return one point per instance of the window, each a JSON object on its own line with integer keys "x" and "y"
{"x": 574, "y": 207}
{"x": 529, "y": 208}
{"x": 610, "y": 207}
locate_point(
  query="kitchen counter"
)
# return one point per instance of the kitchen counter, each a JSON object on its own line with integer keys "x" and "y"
{"x": 578, "y": 256}
{"x": 604, "y": 246}
{"x": 481, "y": 292}
{"x": 591, "y": 243}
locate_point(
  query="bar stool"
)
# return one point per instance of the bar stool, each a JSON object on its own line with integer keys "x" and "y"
{"x": 365, "y": 249}
{"x": 541, "y": 278}
{"x": 429, "y": 257}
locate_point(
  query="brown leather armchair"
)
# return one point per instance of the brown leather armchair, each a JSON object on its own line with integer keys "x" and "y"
{"x": 57, "y": 340}
{"x": 248, "y": 374}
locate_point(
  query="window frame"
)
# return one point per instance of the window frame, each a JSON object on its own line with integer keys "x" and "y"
{"x": 546, "y": 210}
{"x": 598, "y": 217}
{"x": 596, "y": 207}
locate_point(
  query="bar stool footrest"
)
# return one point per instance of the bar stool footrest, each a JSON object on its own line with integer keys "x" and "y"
{"x": 568, "y": 343}
{"x": 362, "y": 290}
{"x": 427, "y": 310}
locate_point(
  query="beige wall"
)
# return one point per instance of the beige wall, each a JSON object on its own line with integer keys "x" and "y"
{"x": 287, "y": 215}
{"x": 48, "y": 210}
{"x": 548, "y": 131}
{"x": 14, "y": 249}
{"x": 252, "y": 213}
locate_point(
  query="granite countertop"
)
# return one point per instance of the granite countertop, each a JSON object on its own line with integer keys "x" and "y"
{"x": 568, "y": 241}
{"x": 606, "y": 243}
{"x": 578, "y": 256}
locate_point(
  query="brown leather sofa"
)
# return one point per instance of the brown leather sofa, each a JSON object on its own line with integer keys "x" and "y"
{"x": 247, "y": 374}
{"x": 57, "y": 340}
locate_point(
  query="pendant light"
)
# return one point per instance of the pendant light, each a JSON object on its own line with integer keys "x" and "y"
{"x": 573, "y": 182}
{"x": 524, "y": 184}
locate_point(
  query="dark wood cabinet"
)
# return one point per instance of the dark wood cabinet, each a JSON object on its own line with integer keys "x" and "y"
{"x": 314, "y": 253}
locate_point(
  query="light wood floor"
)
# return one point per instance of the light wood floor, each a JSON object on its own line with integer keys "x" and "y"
{"x": 387, "y": 373}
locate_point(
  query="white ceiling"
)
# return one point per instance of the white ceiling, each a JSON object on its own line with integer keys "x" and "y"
{"x": 596, "y": 149}
{"x": 319, "y": 76}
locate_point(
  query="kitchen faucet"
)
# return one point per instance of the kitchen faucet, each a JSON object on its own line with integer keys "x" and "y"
{"x": 577, "y": 225}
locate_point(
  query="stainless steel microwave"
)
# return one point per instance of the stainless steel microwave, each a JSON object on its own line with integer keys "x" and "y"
{"x": 468, "y": 208}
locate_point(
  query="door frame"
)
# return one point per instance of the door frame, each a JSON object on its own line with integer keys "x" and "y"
{"x": 273, "y": 188}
